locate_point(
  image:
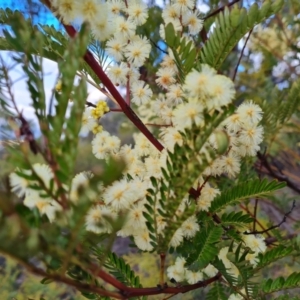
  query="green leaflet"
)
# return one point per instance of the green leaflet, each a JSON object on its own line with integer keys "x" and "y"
{"x": 288, "y": 107}
{"x": 217, "y": 292}
{"x": 121, "y": 270}
{"x": 245, "y": 274}
{"x": 60, "y": 133}
{"x": 236, "y": 219}
{"x": 205, "y": 246}
{"x": 231, "y": 26}
{"x": 272, "y": 255}
{"x": 287, "y": 297}
{"x": 279, "y": 111}
{"x": 218, "y": 264}
{"x": 280, "y": 283}
{"x": 64, "y": 134}
{"x": 53, "y": 41}
{"x": 185, "y": 160}
{"x": 250, "y": 189}
{"x": 185, "y": 54}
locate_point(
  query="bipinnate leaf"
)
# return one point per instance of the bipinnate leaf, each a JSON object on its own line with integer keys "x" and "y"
{"x": 273, "y": 255}
{"x": 205, "y": 246}
{"x": 231, "y": 26}
{"x": 271, "y": 286}
{"x": 250, "y": 189}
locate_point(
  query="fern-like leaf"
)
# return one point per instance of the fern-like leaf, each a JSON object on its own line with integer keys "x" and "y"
{"x": 54, "y": 41}
{"x": 216, "y": 292}
{"x": 290, "y": 105}
{"x": 272, "y": 255}
{"x": 236, "y": 219}
{"x": 231, "y": 26}
{"x": 251, "y": 189}
{"x": 278, "y": 284}
{"x": 121, "y": 270}
{"x": 287, "y": 297}
{"x": 206, "y": 250}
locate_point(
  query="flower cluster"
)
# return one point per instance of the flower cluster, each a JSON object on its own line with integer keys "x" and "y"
{"x": 91, "y": 117}
{"x": 42, "y": 198}
{"x": 34, "y": 198}
{"x": 179, "y": 273}
{"x": 100, "y": 109}
{"x": 257, "y": 245}
{"x": 245, "y": 136}
{"x": 182, "y": 106}
{"x": 270, "y": 39}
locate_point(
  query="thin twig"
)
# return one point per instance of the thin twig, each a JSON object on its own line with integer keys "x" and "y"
{"x": 270, "y": 203}
{"x": 156, "y": 46}
{"x": 97, "y": 69}
{"x": 63, "y": 279}
{"x": 273, "y": 239}
{"x": 220, "y": 9}
{"x": 251, "y": 214}
{"x": 101, "y": 89}
{"x": 203, "y": 34}
{"x": 241, "y": 55}
{"x": 274, "y": 226}
{"x": 272, "y": 173}
{"x": 255, "y": 213}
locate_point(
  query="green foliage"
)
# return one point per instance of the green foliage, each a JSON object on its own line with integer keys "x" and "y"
{"x": 205, "y": 244}
{"x": 287, "y": 297}
{"x": 121, "y": 270}
{"x": 270, "y": 286}
{"x": 251, "y": 189}
{"x": 206, "y": 241}
{"x": 273, "y": 255}
{"x": 280, "y": 110}
{"x": 231, "y": 26}
{"x": 245, "y": 271}
{"x": 184, "y": 52}
{"x": 219, "y": 265}
{"x": 53, "y": 42}
{"x": 236, "y": 219}
{"x": 65, "y": 246}
{"x": 61, "y": 134}
{"x": 186, "y": 159}
{"x": 216, "y": 292}
{"x": 288, "y": 107}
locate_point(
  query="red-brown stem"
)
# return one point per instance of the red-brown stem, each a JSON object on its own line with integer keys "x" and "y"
{"x": 128, "y": 91}
{"x": 128, "y": 86}
{"x": 124, "y": 290}
{"x": 110, "y": 280}
{"x": 199, "y": 189}
{"x": 91, "y": 61}
{"x": 255, "y": 213}
{"x": 129, "y": 292}
{"x": 135, "y": 292}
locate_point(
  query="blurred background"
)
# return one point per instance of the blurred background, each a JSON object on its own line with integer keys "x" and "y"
{"x": 269, "y": 66}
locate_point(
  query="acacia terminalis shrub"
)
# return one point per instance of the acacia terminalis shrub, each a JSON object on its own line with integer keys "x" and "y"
{"x": 181, "y": 188}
